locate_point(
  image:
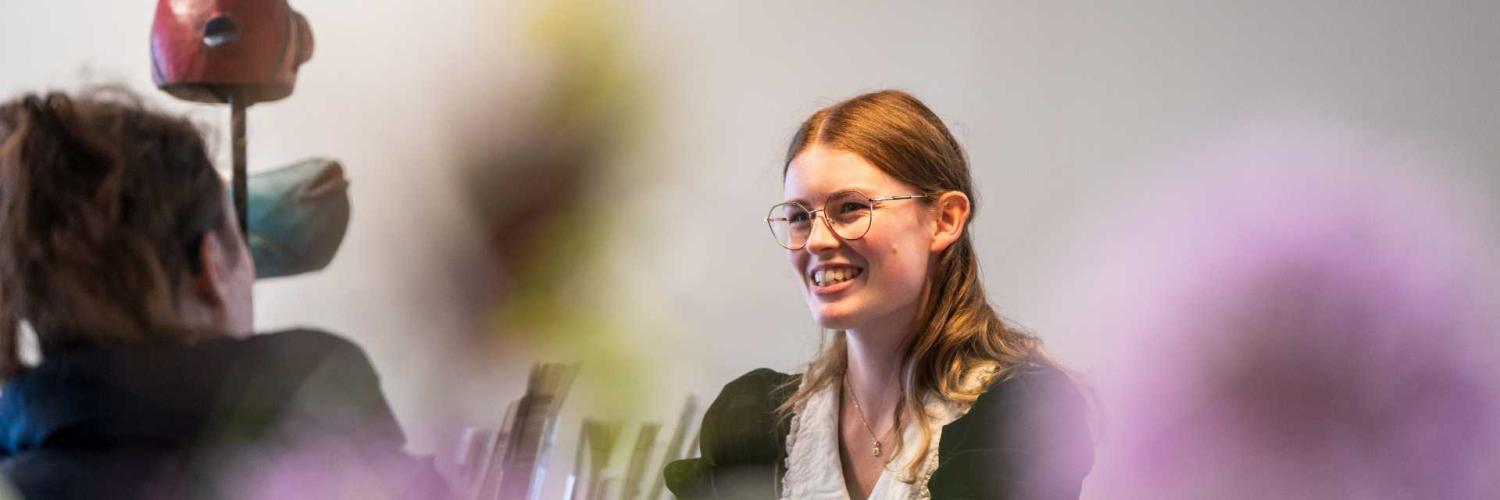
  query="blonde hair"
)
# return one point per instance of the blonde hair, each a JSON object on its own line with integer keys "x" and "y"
{"x": 956, "y": 328}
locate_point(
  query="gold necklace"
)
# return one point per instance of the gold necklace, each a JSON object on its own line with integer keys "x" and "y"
{"x": 859, "y": 411}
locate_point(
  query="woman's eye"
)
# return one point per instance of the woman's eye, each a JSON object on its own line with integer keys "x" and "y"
{"x": 797, "y": 217}
{"x": 850, "y": 207}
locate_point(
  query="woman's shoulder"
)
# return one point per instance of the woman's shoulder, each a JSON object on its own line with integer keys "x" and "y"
{"x": 741, "y": 439}
{"x": 741, "y": 425}
{"x": 1033, "y": 382}
{"x": 759, "y": 390}
{"x": 1030, "y": 426}
{"x": 760, "y": 382}
{"x": 1035, "y": 394}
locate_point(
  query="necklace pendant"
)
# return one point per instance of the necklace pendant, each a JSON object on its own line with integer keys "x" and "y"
{"x": 876, "y": 450}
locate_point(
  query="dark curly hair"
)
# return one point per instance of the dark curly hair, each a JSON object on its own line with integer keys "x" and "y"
{"x": 103, "y": 207}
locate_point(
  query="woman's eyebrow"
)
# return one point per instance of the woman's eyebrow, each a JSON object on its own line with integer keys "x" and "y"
{"x": 865, "y": 189}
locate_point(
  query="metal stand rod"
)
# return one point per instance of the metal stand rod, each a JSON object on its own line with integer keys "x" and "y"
{"x": 239, "y": 181}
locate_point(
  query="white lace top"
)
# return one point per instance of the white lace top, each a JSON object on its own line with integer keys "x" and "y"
{"x": 813, "y": 470}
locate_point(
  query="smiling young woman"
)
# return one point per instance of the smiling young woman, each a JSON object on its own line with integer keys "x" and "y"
{"x": 922, "y": 390}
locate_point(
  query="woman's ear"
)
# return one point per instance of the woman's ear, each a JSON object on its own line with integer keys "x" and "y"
{"x": 952, "y": 215}
{"x": 211, "y": 286}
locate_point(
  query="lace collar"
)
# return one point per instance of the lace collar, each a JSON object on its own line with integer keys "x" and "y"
{"x": 813, "y": 469}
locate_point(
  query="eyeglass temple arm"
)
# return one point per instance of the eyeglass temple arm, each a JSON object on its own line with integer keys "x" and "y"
{"x": 900, "y": 197}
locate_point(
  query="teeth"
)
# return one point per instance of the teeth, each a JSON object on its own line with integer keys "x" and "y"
{"x": 825, "y": 277}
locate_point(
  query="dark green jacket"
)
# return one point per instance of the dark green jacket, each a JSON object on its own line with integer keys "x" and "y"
{"x": 170, "y": 421}
{"x": 1026, "y": 437}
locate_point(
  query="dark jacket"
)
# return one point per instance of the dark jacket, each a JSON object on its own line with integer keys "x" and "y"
{"x": 173, "y": 421}
{"x": 1026, "y": 437}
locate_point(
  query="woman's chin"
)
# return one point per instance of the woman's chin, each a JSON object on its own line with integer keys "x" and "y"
{"x": 832, "y": 317}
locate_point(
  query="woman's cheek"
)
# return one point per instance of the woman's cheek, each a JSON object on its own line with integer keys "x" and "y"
{"x": 797, "y": 263}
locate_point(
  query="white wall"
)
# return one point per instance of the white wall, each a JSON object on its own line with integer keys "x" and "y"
{"x": 1066, "y": 108}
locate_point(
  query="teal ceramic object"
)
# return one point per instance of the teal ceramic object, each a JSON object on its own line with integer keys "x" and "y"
{"x": 298, "y": 215}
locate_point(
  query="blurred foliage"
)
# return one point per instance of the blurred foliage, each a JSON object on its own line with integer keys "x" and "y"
{"x": 539, "y": 191}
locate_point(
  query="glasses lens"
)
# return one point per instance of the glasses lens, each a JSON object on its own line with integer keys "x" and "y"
{"x": 850, "y": 214}
{"x": 790, "y": 224}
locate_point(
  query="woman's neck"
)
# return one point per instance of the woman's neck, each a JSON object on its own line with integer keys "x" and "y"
{"x": 873, "y": 372}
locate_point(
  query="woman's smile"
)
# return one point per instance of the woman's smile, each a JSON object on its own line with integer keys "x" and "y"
{"x": 831, "y": 279}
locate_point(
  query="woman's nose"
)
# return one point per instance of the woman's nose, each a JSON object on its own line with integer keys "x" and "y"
{"x": 821, "y": 237}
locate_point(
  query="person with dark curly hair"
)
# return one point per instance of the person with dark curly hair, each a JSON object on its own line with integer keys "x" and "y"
{"x": 119, "y": 251}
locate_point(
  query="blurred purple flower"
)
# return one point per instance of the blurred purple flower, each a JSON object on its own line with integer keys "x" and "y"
{"x": 337, "y": 468}
{"x": 1299, "y": 317}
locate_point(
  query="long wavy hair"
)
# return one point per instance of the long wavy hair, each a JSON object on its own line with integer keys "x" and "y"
{"x": 103, "y": 208}
{"x": 956, "y": 328}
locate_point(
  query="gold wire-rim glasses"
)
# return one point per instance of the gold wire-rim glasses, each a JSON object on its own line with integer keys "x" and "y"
{"x": 866, "y": 214}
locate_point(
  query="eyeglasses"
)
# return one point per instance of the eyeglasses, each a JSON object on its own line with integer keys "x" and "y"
{"x": 847, "y": 214}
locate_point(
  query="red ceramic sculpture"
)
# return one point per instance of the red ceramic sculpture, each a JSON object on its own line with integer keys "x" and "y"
{"x": 210, "y": 50}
